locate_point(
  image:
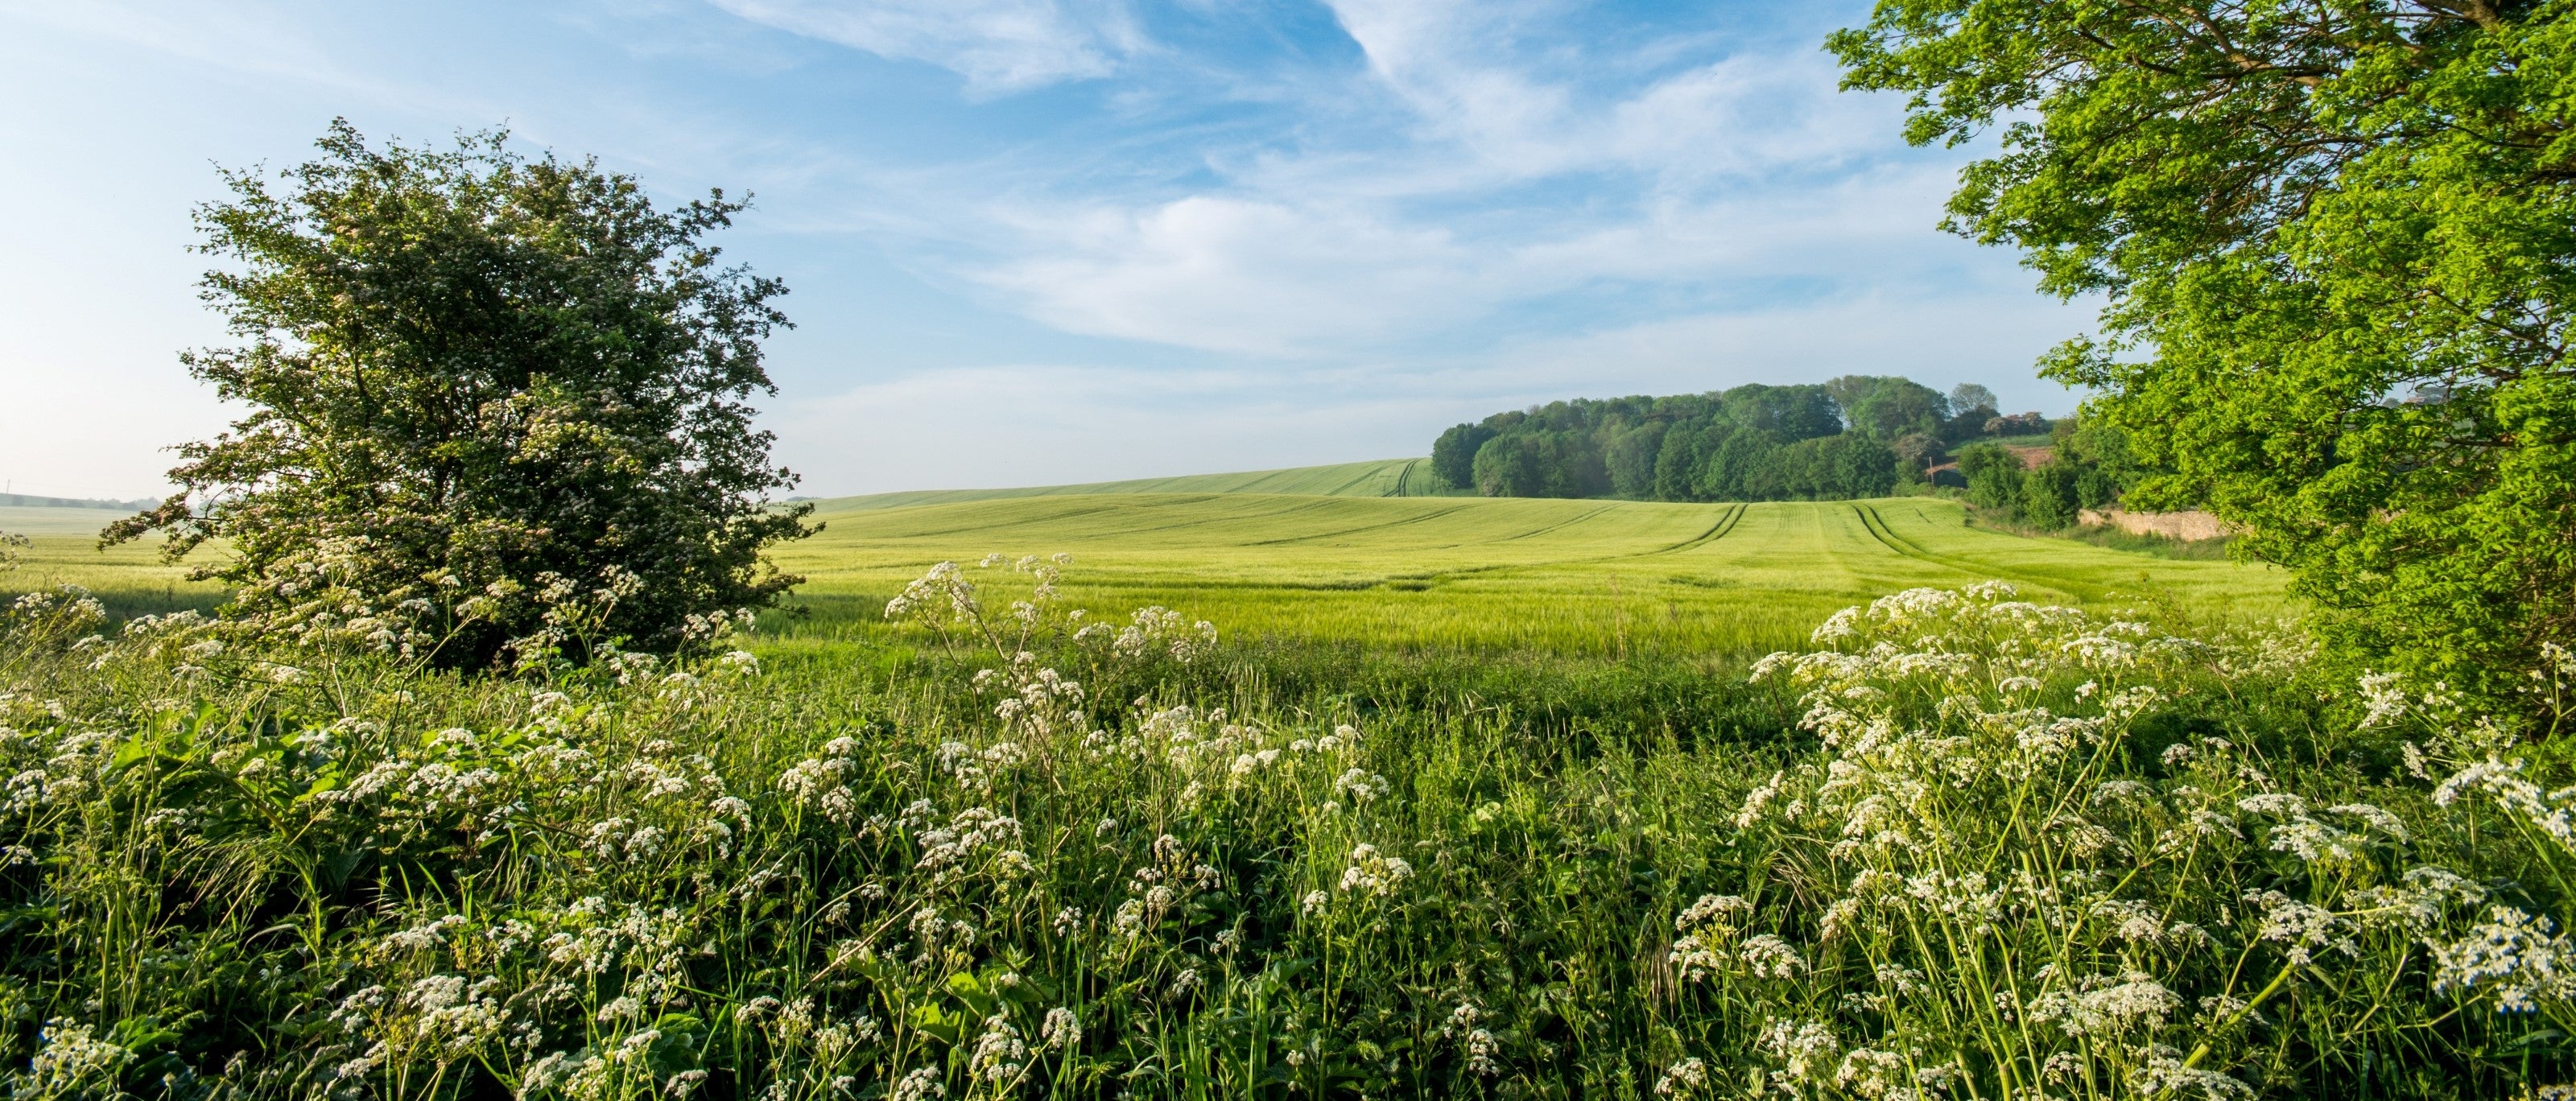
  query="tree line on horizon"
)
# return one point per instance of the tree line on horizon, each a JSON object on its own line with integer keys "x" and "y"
{"x": 1853, "y": 436}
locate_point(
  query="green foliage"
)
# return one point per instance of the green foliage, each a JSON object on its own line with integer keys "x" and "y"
{"x": 1751, "y": 443}
{"x": 1789, "y": 412}
{"x": 1741, "y": 465}
{"x": 1994, "y": 474}
{"x": 1919, "y": 451}
{"x": 2341, "y": 235}
{"x": 2105, "y": 465}
{"x": 1832, "y": 467}
{"x": 970, "y": 866}
{"x": 1537, "y": 464}
{"x": 1972, "y": 407}
{"x": 2050, "y": 496}
{"x": 473, "y": 377}
{"x": 1453, "y": 455}
{"x": 1682, "y": 463}
{"x": 1630, "y": 456}
{"x": 1888, "y": 408}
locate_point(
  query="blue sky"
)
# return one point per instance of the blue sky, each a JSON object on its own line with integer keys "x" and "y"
{"x": 1058, "y": 240}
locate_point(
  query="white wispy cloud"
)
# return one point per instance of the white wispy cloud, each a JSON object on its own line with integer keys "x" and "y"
{"x": 1239, "y": 274}
{"x": 1128, "y": 237}
{"x": 1481, "y": 155}
{"x": 1747, "y": 168}
{"x": 906, "y": 433}
{"x": 1278, "y": 276}
{"x": 1098, "y": 423}
{"x": 999, "y": 46}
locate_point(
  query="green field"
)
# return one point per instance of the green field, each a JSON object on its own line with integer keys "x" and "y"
{"x": 1565, "y": 576}
{"x": 1376, "y": 478}
{"x": 64, "y": 550}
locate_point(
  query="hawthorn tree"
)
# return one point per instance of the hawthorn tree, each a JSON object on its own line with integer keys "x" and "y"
{"x": 2337, "y": 243}
{"x": 496, "y": 405}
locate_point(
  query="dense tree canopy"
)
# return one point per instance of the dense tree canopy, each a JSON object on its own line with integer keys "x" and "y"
{"x": 1453, "y": 455}
{"x": 2338, "y": 244}
{"x": 492, "y": 399}
{"x": 1888, "y": 408}
{"x": 2086, "y": 465}
{"x": 1856, "y": 436}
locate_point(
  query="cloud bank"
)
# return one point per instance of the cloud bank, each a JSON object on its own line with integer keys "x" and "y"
{"x": 1042, "y": 240}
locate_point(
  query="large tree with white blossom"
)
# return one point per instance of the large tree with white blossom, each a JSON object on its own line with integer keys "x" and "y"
{"x": 483, "y": 389}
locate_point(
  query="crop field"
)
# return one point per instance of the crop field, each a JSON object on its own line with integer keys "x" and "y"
{"x": 131, "y": 578}
{"x": 1566, "y": 576}
{"x": 1561, "y": 576}
{"x": 1376, "y": 478}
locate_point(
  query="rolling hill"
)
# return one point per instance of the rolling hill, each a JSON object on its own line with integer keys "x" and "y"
{"x": 1570, "y": 576}
{"x": 1342, "y": 554}
{"x": 1375, "y": 478}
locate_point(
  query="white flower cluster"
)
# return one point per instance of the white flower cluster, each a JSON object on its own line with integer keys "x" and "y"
{"x": 976, "y": 840}
{"x": 821, "y": 781}
{"x": 1159, "y": 630}
{"x": 71, "y": 1061}
{"x": 2521, "y": 959}
{"x": 1483, "y": 1050}
{"x": 1959, "y": 725}
{"x": 1374, "y": 873}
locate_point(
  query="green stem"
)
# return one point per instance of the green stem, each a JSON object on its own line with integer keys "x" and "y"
{"x": 2202, "y": 1052}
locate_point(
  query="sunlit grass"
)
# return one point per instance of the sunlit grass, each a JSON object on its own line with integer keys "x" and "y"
{"x": 2006, "y": 848}
{"x": 1373, "y": 478}
{"x": 1574, "y": 577}
{"x": 1592, "y": 578}
{"x": 132, "y": 579}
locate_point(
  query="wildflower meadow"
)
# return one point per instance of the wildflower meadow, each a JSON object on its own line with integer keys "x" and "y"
{"x": 515, "y": 733}
{"x": 1962, "y": 845}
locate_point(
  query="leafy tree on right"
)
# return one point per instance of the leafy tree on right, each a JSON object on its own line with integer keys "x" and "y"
{"x": 2337, "y": 244}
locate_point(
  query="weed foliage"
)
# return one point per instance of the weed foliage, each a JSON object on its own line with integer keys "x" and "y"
{"x": 1987, "y": 848}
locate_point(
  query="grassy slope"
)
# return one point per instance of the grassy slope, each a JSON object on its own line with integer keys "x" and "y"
{"x": 1571, "y": 577}
{"x": 65, "y": 551}
{"x": 35, "y": 520}
{"x": 1564, "y": 576}
{"x": 1376, "y": 478}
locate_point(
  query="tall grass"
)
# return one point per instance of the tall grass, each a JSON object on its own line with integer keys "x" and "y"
{"x": 1971, "y": 847}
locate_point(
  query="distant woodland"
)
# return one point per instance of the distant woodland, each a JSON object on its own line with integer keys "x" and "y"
{"x": 1855, "y": 436}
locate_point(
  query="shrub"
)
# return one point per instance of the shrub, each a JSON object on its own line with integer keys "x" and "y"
{"x": 2050, "y": 494}
{"x": 1994, "y": 475}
